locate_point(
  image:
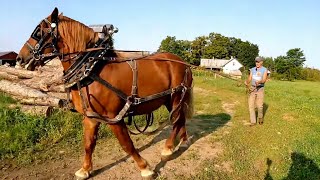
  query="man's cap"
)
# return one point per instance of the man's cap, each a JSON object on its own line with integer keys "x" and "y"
{"x": 259, "y": 59}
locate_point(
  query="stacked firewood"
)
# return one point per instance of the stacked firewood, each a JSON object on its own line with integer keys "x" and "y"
{"x": 37, "y": 92}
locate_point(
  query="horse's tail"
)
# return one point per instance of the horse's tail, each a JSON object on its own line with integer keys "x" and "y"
{"x": 188, "y": 101}
{"x": 188, "y": 104}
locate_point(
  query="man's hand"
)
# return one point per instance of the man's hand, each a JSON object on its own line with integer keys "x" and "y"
{"x": 257, "y": 83}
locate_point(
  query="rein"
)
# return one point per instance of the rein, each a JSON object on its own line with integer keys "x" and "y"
{"x": 121, "y": 60}
{"x": 48, "y": 55}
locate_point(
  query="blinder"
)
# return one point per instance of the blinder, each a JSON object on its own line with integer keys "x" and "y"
{"x": 37, "y": 33}
{"x": 40, "y": 35}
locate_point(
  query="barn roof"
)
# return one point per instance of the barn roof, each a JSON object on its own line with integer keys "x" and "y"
{"x": 6, "y": 52}
{"x": 9, "y": 55}
{"x": 218, "y": 63}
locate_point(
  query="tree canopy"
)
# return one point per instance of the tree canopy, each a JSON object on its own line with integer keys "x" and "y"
{"x": 290, "y": 66}
{"x": 214, "y": 45}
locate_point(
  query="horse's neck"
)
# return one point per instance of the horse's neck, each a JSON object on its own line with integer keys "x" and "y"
{"x": 72, "y": 52}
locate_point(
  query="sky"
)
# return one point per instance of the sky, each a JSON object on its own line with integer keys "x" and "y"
{"x": 274, "y": 25}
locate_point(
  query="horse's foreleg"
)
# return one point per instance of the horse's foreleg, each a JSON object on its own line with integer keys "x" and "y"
{"x": 90, "y": 136}
{"x": 121, "y": 132}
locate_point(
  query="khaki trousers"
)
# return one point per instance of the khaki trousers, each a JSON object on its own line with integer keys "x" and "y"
{"x": 256, "y": 100}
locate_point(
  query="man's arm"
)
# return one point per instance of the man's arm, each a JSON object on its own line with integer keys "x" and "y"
{"x": 247, "y": 82}
{"x": 264, "y": 78}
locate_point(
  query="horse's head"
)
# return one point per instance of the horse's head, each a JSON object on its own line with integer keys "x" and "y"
{"x": 43, "y": 40}
{"x": 56, "y": 35}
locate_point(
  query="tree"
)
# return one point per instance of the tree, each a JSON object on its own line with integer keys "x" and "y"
{"x": 290, "y": 66}
{"x": 197, "y": 49}
{"x": 269, "y": 63}
{"x": 234, "y": 48}
{"x": 310, "y": 74}
{"x": 169, "y": 44}
{"x": 218, "y": 47}
{"x": 296, "y": 57}
{"x": 181, "y": 48}
{"x": 184, "y": 49}
{"x": 247, "y": 53}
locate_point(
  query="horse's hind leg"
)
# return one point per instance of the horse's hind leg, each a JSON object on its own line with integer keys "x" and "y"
{"x": 121, "y": 132}
{"x": 179, "y": 122}
{"x": 90, "y": 136}
{"x": 184, "y": 141}
{"x": 178, "y": 128}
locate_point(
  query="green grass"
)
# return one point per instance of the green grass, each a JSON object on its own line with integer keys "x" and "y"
{"x": 285, "y": 147}
{"x": 288, "y": 141}
{"x": 25, "y": 138}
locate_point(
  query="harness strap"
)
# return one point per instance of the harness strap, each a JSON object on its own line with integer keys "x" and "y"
{"x": 144, "y": 132}
{"x": 83, "y": 99}
{"x": 91, "y": 114}
{"x": 104, "y": 119}
{"x": 158, "y": 95}
{"x": 133, "y": 66}
{"x": 94, "y": 77}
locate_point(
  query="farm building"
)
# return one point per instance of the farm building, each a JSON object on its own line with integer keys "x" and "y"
{"x": 8, "y": 57}
{"x": 230, "y": 67}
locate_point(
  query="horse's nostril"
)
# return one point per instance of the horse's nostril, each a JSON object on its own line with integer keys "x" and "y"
{"x": 19, "y": 59}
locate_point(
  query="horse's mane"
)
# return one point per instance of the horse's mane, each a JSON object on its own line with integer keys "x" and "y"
{"x": 76, "y": 36}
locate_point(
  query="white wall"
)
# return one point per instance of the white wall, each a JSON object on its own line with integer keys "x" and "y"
{"x": 231, "y": 66}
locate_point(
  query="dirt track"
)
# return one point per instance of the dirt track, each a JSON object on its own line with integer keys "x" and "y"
{"x": 111, "y": 162}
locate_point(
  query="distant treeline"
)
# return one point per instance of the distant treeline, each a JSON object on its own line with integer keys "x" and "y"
{"x": 288, "y": 67}
{"x": 215, "y": 45}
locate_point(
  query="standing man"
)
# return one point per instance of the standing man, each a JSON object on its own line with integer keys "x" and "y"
{"x": 255, "y": 84}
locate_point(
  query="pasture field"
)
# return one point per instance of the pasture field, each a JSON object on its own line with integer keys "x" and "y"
{"x": 223, "y": 146}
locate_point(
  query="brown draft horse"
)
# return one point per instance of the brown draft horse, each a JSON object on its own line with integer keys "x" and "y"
{"x": 155, "y": 73}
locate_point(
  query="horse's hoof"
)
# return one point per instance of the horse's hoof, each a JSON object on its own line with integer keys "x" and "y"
{"x": 147, "y": 174}
{"x": 166, "y": 152}
{"x": 184, "y": 144}
{"x": 82, "y": 174}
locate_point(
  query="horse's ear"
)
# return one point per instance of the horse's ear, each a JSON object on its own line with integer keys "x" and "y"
{"x": 54, "y": 15}
{"x": 61, "y": 14}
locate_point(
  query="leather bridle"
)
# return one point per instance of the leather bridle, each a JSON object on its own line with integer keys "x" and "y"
{"x": 41, "y": 35}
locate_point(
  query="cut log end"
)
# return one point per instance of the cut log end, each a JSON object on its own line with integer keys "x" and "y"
{"x": 34, "y": 110}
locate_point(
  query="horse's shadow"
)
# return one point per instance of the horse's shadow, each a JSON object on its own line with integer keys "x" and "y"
{"x": 199, "y": 126}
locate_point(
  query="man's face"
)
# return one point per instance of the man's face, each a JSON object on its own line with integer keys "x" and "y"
{"x": 259, "y": 64}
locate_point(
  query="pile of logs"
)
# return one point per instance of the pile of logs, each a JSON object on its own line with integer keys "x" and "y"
{"x": 37, "y": 92}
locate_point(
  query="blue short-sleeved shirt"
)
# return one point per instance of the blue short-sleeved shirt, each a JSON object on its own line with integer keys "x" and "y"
{"x": 257, "y": 75}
